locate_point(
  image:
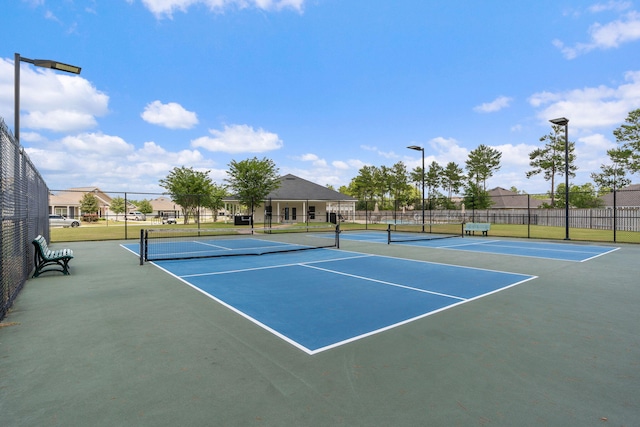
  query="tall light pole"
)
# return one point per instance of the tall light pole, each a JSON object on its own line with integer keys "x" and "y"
{"x": 562, "y": 121}
{"x": 45, "y": 63}
{"x": 415, "y": 147}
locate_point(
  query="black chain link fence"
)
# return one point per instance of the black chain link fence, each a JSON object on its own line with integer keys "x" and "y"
{"x": 24, "y": 215}
{"x": 613, "y": 217}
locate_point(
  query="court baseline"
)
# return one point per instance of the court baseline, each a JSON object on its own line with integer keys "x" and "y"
{"x": 547, "y": 250}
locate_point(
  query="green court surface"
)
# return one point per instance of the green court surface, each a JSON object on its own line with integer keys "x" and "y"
{"x": 116, "y": 343}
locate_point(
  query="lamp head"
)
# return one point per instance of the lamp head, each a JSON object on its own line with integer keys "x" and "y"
{"x": 562, "y": 121}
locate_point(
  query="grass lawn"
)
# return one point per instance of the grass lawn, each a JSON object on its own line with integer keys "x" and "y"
{"x": 116, "y": 230}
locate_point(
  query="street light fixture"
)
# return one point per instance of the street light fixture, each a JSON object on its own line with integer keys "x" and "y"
{"x": 45, "y": 63}
{"x": 415, "y": 147}
{"x": 563, "y": 121}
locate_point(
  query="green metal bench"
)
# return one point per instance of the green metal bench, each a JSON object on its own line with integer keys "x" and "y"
{"x": 472, "y": 227}
{"x": 45, "y": 257}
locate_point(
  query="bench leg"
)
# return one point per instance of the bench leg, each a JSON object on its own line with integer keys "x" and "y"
{"x": 63, "y": 264}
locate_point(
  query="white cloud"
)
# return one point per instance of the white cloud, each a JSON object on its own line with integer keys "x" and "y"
{"x": 496, "y": 105}
{"x": 444, "y": 150}
{"x": 515, "y": 155}
{"x": 239, "y": 139}
{"x": 605, "y": 36}
{"x": 97, "y": 145}
{"x": 591, "y": 107}
{"x": 314, "y": 159}
{"x": 591, "y": 150}
{"x": 610, "y": 5}
{"x": 171, "y": 115}
{"x": 385, "y": 154}
{"x": 166, "y": 8}
{"x": 111, "y": 163}
{"x": 51, "y": 100}
{"x": 339, "y": 164}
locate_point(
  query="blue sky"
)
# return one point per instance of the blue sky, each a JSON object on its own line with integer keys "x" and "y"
{"x": 322, "y": 87}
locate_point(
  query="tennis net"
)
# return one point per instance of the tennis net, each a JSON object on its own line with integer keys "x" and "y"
{"x": 181, "y": 243}
{"x": 417, "y": 232}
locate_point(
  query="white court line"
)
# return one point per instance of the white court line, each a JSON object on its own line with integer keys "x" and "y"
{"x": 358, "y": 337}
{"x": 277, "y": 266}
{"x": 385, "y": 282}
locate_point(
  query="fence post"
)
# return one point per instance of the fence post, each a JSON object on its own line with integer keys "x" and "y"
{"x": 528, "y": 216}
{"x": 615, "y": 216}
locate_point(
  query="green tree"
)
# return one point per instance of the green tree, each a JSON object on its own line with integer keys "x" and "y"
{"x": 482, "y": 163}
{"x": 89, "y": 204}
{"x": 117, "y": 206}
{"x": 580, "y": 196}
{"x": 628, "y": 136}
{"x": 187, "y": 188}
{"x": 415, "y": 176}
{"x": 214, "y": 200}
{"x": 251, "y": 180}
{"x": 475, "y": 197}
{"x": 584, "y": 196}
{"x": 452, "y": 179}
{"x": 382, "y": 183}
{"x": 432, "y": 181}
{"x": 398, "y": 182}
{"x": 363, "y": 186}
{"x": 550, "y": 159}
{"x": 144, "y": 206}
{"x": 612, "y": 176}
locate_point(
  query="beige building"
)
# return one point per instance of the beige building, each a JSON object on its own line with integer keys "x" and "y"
{"x": 67, "y": 202}
{"x": 298, "y": 200}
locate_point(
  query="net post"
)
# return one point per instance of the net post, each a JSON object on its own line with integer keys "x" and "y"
{"x": 462, "y": 230}
{"x": 388, "y": 234}
{"x": 338, "y": 236}
{"x": 141, "y": 249}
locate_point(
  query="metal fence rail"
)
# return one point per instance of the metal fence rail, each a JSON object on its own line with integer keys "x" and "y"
{"x": 23, "y": 214}
{"x": 523, "y": 215}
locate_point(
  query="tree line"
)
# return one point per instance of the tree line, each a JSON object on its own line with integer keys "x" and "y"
{"x": 390, "y": 187}
{"x": 395, "y": 187}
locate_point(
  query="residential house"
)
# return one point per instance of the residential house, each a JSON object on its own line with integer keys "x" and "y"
{"x": 67, "y": 202}
{"x": 505, "y": 199}
{"x": 299, "y": 200}
{"x": 626, "y": 198}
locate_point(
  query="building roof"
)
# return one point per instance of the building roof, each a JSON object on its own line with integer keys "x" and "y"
{"x": 505, "y": 199}
{"x": 296, "y": 188}
{"x": 628, "y": 196}
{"x": 164, "y": 204}
{"x": 72, "y": 196}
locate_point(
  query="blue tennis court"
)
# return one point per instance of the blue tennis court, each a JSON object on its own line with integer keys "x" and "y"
{"x": 548, "y": 250}
{"x": 317, "y": 300}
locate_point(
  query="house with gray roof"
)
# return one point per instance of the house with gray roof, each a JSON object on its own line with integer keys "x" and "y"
{"x": 505, "y": 199}
{"x": 299, "y": 200}
{"x": 626, "y": 198}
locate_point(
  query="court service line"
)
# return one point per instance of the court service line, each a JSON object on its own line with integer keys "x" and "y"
{"x": 241, "y": 270}
{"x": 210, "y": 245}
{"x": 385, "y": 282}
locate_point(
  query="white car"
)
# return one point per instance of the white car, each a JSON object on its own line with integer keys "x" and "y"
{"x": 136, "y": 216}
{"x": 62, "y": 221}
{"x": 169, "y": 220}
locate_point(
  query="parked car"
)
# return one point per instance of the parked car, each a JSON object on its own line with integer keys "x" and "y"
{"x": 62, "y": 221}
{"x": 136, "y": 216}
{"x": 169, "y": 220}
